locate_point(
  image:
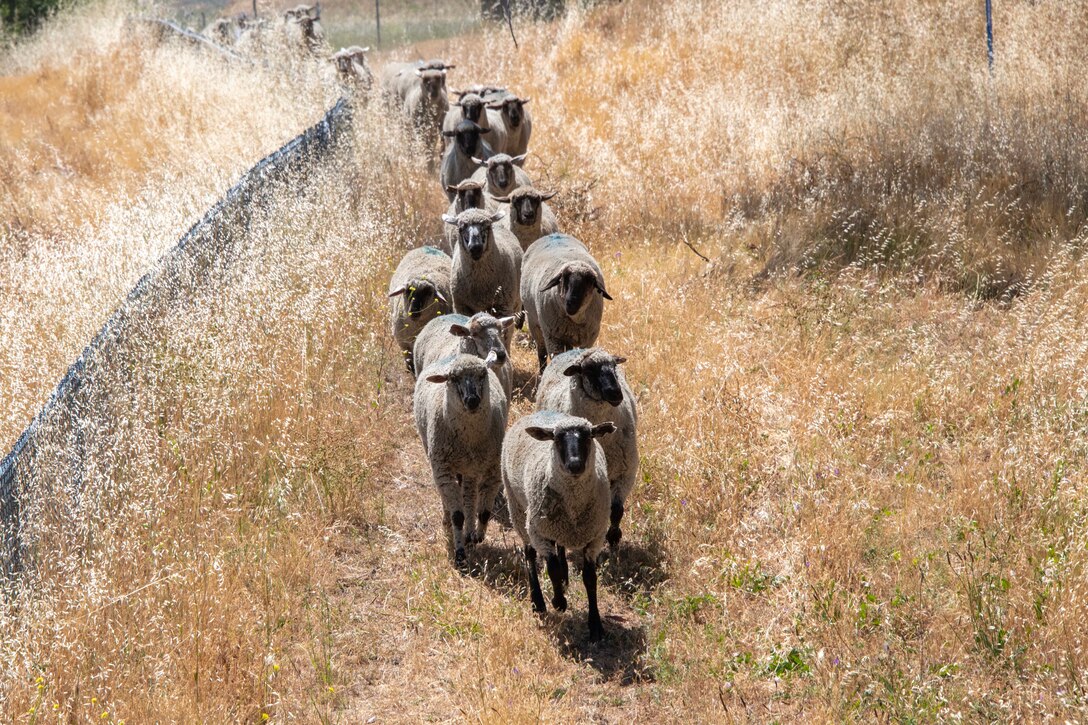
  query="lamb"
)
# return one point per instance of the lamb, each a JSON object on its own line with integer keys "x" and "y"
{"x": 558, "y": 498}
{"x": 467, "y": 195}
{"x": 563, "y": 291}
{"x": 462, "y": 158}
{"x": 420, "y": 288}
{"x": 511, "y": 124}
{"x": 419, "y": 90}
{"x": 500, "y": 174}
{"x": 486, "y": 266}
{"x": 469, "y": 107}
{"x": 589, "y": 384}
{"x": 460, "y": 413}
{"x": 479, "y": 335}
{"x": 352, "y": 70}
{"x": 527, "y": 216}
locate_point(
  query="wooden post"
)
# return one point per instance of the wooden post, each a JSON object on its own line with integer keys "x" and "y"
{"x": 378, "y": 20}
{"x": 254, "y": 9}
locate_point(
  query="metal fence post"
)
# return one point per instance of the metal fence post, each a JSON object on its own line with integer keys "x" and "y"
{"x": 990, "y": 35}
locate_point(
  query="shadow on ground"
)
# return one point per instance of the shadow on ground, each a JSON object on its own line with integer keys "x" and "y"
{"x": 619, "y": 656}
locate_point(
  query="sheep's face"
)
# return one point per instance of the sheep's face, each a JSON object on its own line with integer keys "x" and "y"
{"x": 474, "y": 230}
{"x": 526, "y": 210}
{"x": 433, "y": 83}
{"x": 500, "y": 173}
{"x": 572, "y": 442}
{"x": 419, "y": 295}
{"x": 599, "y": 377}
{"x": 470, "y": 197}
{"x": 485, "y": 334}
{"x": 466, "y": 381}
{"x": 513, "y": 110}
{"x": 472, "y": 107}
{"x": 576, "y": 285}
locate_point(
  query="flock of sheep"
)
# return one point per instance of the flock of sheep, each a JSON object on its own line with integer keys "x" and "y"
{"x": 568, "y": 468}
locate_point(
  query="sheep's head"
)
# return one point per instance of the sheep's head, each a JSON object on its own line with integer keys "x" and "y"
{"x": 420, "y": 295}
{"x": 484, "y": 334}
{"x": 572, "y": 441}
{"x": 469, "y": 195}
{"x": 525, "y": 204}
{"x": 597, "y": 374}
{"x": 500, "y": 171}
{"x": 512, "y": 108}
{"x": 575, "y": 284}
{"x": 351, "y": 62}
{"x": 472, "y": 107}
{"x": 474, "y": 230}
{"x": 467, "y": 136}
{"x": 465, "y": 377}
{"x": 432, "y": 76}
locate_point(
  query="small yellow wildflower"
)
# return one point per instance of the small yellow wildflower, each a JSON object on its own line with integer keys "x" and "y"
{"x": 94, "y": 700}
{"x": 264, "y": 715}
{"x": 56, "y": 706}
{"x": 275, "y": 668}
{"x": 330, "y": 689}
{"x": 104, "y": 715}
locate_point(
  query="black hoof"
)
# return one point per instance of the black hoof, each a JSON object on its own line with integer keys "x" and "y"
{"x": 459, "y": 558}
{"x": 560, "y": 604}
{"x": 596, "y": 634}
{"x": 613, "y": 537}
{"x": 539, "y": 607}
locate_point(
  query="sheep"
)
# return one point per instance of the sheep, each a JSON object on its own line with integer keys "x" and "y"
{"x": 460, "y": 413}
{"x": 420, "y": 290}
{"x": 469, "y": 107}
{"x": 253, "y": 35}
{"x": 500, "y": 174}
{"x": 462, "y": 158}
{"x": 558, "y": 283}
{"x": 527, "y": 216}
{"x": 486, "y": 266}
{"x": 302, "y": 25}
{"x": 419, "y": 90}
{"x": 478, "y": 335}
{"x": 558, "y": 497}
{"x": 511, "y": 124}
{"x": 352, "y": 70}
{"x": 467, "y": 195}
{"x": 589, "y": 384}
{"x": 223, "y": 31}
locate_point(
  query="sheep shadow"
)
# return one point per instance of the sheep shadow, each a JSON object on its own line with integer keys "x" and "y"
{"x": 635, "y": 568}
{"x": 617, "y": 657}
{"x": 525, "y": 383}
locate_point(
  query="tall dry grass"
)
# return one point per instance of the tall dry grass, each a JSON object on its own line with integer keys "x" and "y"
{"x": 862, "y": 486}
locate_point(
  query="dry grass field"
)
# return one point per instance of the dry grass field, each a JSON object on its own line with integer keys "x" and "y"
{"x": 862, "y": 490}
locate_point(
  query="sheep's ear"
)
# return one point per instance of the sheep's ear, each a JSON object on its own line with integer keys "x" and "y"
{"x": 600, "y": 288}
{"x": 492, "y": 360}
{"x": 541, "y": 434}
{"x": 497, "y": 215}
{"x": 398, "y": 291}
{"x": 525, "y": 101}
{"x": 573, "y": 370}
{"x": 449, "y": 219}
{"x": 478, "y": 162}
{"x": 620, "y": 360}
{"x": 459, "y": 331}
{"x": 419, "y": 72}
{"x": 485, "y": 130}
{"x": 505, "y": 322}
{"x": 449, "y": 67}
{"x": 549, "y": 195}
{"x": 456, "y": 92}
{"x": 437, "y": 378}
{"x": 518, "y": 159}
{"x": 501, "y": 199}
{"x": 553, "y": 283}
{"x": 441, "y": 296}
{"x": 602, "y": 429}
{"x": 495, "y": 106}
{"x": 449, "y": 134}
{"x": 452, "y": 189}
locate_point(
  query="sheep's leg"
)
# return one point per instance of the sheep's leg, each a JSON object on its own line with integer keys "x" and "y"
{"x": 555, "y": 573}
{"x": 564, "y": 567}
{"x": 614, "y": 533}
{"x": 534, "y": 581}
{"x": 589, "y": 579}
{"x": 470, "y": 495}
{"x": 450, "y": 490}
{"x": 486, "y": 502}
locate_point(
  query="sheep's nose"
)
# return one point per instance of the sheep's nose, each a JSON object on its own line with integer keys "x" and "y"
{"x": 472, "y": 402}
{"x": 576, "y": 465}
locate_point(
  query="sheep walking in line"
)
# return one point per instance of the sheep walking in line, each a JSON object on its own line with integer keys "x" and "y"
{"x": 511, "y": 123}
{"x": 302, "y": 26}
{"x": 460, "y": 413}
{"x": 499, "y": 174}
{"x": 463, "y": 157}
{"x": 556, "y": 482}
{"x": 480, "y": 335}
{"x": 469, "y": 107}
{"x": 420, "y": 291}
{"x": 486, "y": 266}
{"x": 590, "y": 385}
{"x": 527, "y": 216}
{"x": 563, "y": 292}
{"x": 419, "y": 90}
